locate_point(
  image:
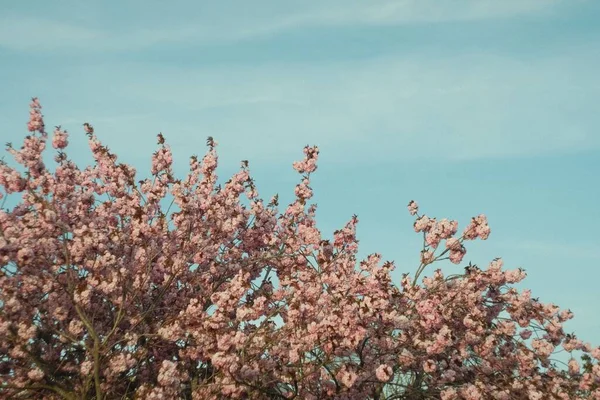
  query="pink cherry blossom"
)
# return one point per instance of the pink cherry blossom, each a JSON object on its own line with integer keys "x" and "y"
{"x": 413, "y": 207}
{"x": 384, "y": 372}
{"x": 60, "y": 138}
{"x": 114, "y": 286}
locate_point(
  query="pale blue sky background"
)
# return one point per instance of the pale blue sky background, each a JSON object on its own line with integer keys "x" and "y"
{"x": 467, "y": 107}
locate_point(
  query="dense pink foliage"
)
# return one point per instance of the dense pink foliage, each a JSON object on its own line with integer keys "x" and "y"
{"x": 108, "y": 294}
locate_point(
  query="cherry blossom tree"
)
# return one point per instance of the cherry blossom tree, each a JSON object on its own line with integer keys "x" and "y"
{"x": 166, "y": 288}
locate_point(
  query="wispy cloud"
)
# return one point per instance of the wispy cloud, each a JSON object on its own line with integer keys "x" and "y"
{"x": 470, "y": 106}
{"x": 227, "y": 21}
{"x": 566, "y": 250}
{"x": 41, "y": 34}
{"x": 116, "y": 119}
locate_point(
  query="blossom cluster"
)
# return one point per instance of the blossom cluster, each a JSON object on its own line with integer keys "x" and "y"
{"x": 164, "y": 288}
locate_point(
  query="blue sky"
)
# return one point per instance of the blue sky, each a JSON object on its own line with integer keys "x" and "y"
{"x": 467, "y": 107}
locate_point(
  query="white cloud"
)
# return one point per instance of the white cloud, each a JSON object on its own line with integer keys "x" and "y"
{"x": 40, "y": 34}
{"x": 119, "y": 119}
{"x": 456, "y": 108}
{"x": 147, "y": 24}
{"x": 548, "y": 249}
{"x": 415, "y": 11}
